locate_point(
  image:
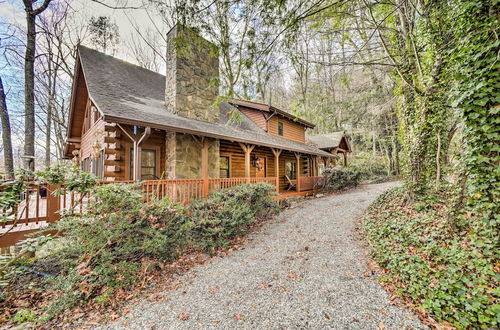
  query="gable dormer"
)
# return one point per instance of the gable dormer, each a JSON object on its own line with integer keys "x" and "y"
{"x": 274, "y": 121}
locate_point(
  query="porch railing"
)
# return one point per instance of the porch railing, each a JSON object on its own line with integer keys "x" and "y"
{"x": 39, "y": 207}
{"x": 310, "y": 183}
{"x": 180, "y": 191}
{"x": 223, "y": 183}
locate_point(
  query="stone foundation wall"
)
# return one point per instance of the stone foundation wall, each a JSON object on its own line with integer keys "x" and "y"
{"x": 183, "y": 157}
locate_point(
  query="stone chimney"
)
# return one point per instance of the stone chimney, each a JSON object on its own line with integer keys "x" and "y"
{"x": 191, "y": 89}
{"x": 191, "y": 84}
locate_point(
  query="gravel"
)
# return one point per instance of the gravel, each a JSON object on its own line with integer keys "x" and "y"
{"x": 306, "y": 269}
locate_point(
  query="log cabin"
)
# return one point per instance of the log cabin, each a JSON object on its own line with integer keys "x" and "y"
{"x": 130, "y": 123}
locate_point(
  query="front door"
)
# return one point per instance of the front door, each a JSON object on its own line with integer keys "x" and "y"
{"x": 261, "y": 168}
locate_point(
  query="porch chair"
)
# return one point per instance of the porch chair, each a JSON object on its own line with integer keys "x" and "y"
{"x": 291, "y": 183}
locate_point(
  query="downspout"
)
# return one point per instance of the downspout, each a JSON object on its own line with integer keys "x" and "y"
{"x": 136, "y": 144}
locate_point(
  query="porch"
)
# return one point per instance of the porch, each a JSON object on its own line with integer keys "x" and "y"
{"x": 39, "y": 207}
{"x": 230, "y": 162}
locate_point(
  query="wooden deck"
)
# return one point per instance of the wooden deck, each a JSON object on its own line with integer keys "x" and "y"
{"x": 35, "y": 212}
{"x": 291, "y": 194}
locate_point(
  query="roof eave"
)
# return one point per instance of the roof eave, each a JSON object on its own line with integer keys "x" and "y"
{"x": 270, "y": 108}
{"x": 73, "y": 93}
{"x": 120, "y": 120}
{"x": 294, "y": 118}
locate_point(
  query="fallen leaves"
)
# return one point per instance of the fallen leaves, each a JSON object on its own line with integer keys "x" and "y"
{"x": 215, "y": 289}
{"x": 237, "y": 317}
{"x": 292, "y": 275}
{"x": 184, "y": 316}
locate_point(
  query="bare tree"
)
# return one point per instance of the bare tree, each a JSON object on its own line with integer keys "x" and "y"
{"x": 146, "y": 49}
{"x": 104, "y": 34}
{"x": 61, "y": 30}
{"x": 29, "y": 80}
{"x": 6, "y": 135}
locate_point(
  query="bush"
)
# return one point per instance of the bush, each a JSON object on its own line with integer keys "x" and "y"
{"x": 370, "y": 168}
{"x": 447, "y": 270}
{"x": 229, "y": 213}
{"x": 339, "y": 178}
{"x": 112, "y": 239}
{"x": 120, "y": 237}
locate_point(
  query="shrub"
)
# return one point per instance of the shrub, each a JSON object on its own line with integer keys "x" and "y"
{"x": 119, "y": 237}
{"x": 449, "y": 272}
{"x": 229, "y": 213}
{"x": 369, "y": 167}
{"x": 111, "y": 240}
{"x": 339, "y": 178}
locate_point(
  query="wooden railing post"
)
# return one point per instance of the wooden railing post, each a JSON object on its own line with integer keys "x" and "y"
{"x": 247, "y": 148}
{"x": 297, "y": 170}
{"x": 277, "y": 153}
{"x": 204, "y": 167}
{"x": 53, "y": 204}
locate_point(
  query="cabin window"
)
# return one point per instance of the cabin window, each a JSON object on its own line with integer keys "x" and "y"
{"x": 280, "y": 128}
{"x": 291, "y": 169}
{"x": 224, "y": 166}
{"x": 148, "y": 164}
{"x": 98, "y": 165}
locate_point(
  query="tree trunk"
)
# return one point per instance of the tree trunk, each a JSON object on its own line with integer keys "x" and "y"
{"x": 438, "y": 161}
{"x": 47, "y": 133}
{"x": 6, "y": 135}
{"x": 395, "y": 153}
{"x": 50, "y": 111}
{"x": 29, "y": 96}
{"x": 374, "y": 145}
{"x": 29, "y": 82}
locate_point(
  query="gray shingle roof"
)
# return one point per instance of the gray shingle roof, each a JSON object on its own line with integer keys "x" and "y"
{"x": 127, "y": 93}
{"x": 326, "y": 141}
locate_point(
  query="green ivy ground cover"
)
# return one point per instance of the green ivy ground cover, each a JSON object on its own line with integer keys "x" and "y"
{"x": 447, "y": 266}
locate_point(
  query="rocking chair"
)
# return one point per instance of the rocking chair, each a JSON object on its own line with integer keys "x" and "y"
{"x": 291, "y": 183}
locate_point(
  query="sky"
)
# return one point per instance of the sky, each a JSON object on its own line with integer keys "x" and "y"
{"x": 11, "y": 12}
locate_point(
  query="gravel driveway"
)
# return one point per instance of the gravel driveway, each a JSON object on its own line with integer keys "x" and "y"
{"x": 306, "y": 269}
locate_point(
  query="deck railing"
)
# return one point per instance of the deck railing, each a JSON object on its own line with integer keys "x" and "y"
{"x": 223, "y": 183}
{"x": 180, "y": 191}
{"x": 310, "y": 183}
{"x": 39, "y": 207}
{"x": 269, "y": 180}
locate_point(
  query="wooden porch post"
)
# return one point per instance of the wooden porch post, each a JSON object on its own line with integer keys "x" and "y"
{"x": 204, "y": 165}
{"x": 297, "y": 170}
{"x": 247, "y": 148}
{"x": 136, "y": 140}
{"x": 277, "y": 153}
{"x": 53, "y": 204}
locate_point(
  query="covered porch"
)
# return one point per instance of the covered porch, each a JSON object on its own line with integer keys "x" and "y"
{"x": 289, "y": 171}
{"x": 234, "y": 163}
